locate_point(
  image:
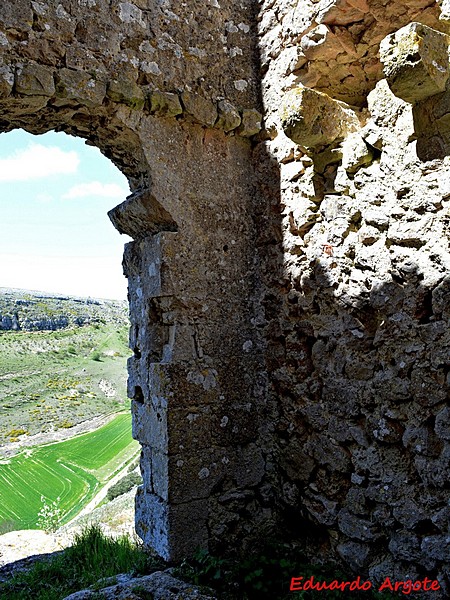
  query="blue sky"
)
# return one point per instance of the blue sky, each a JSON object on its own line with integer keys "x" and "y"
{"x": 55, "y": 235}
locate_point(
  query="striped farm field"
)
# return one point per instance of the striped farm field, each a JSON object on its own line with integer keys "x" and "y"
{"x": 73, "y": 470}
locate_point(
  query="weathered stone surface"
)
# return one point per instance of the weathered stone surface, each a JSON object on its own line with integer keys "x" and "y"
{"x": 80, "y": 87}
{"x": 200, "y": 108}
{"x": 354, "y": 554}
{"x": 312, "y": 118}
{"x": 416, "y": 62}
{"x": 165, "y": 104}
{"x": 442, "y": 426}
{"x": 359, "y": 227}
{"x": 6, "y": 80}
{"x": 34, "y": 80}
{"x": 355, "y": 527}
{"x": 355, "y": 153}
{"x": 126, "y": 92}
{"x": 140, "y": 215}
{"x": 159, "y": 586}
{"x": 251, "y": 122}
{"x": 228, "y": 118}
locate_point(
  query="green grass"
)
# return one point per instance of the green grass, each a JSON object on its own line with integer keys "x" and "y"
{"x": 50, "y": 378}
{"x": 73, "y": 470}
{"x": 91, "y": 558}
{"x": 267, "y": 574}
{"x": 260, "y": 576}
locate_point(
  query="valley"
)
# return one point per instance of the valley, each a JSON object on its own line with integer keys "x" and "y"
{"x": 65, "y": 423}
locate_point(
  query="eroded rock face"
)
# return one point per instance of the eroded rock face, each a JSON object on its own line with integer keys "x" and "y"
{"x": 159, "y": 586}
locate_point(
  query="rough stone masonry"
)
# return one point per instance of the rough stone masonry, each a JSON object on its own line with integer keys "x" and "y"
{"x": 289, "y": 167}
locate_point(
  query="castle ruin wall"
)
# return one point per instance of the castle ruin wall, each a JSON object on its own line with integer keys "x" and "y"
{"x": 289, "y": 277}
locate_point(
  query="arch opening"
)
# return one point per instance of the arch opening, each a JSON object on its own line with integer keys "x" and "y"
{"x": 63, "y": 349}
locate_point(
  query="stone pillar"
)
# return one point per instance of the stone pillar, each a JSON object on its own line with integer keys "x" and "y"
{"x": 196, "y": 360}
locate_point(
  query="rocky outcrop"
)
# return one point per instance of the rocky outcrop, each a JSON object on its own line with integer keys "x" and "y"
{"x": 159, "y": 586}
{"x": 32, "y": 311}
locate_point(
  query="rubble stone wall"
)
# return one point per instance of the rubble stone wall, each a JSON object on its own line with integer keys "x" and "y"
{"x": 354, "y": 248}
{"x": 288, "y": 280}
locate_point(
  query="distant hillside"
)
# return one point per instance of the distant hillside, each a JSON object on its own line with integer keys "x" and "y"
{"x": 62, "y": 361}
{"x": 22, "y": 310}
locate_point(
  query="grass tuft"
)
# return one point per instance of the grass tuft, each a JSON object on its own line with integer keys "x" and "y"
{"x": 92, "y": 557}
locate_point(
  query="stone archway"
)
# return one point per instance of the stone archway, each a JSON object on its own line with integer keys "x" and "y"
{"x": 190, "y": 268}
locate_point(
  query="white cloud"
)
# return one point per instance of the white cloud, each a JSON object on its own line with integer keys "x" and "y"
{"x": 37, "y": 161}
{"x": 44, "y": 198}
{"x": 98, "y": 189}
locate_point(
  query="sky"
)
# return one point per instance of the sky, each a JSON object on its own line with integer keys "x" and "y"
{"x": 55, "y": 235}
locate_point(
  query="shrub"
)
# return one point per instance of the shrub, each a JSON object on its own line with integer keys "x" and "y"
{"x": 124, "y": 485}
{"x": 49, "y": 517}
{"x": 96, "y": 356}
{"x": 16, "y": 432}
{"x": 133, "y": 465}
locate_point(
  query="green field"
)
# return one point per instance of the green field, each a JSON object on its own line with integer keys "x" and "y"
{"x": 73, "y": 470}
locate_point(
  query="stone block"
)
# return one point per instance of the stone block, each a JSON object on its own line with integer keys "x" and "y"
{"x": 409, "y": 513}
{"x": 416, "y": 62}
{"x": 322, "y": 509}
{"x": 6, "y": 80}
{"x": 165, "y": 104}
{"x": 436, "y": 547}
{"x": 126, "y": 92}
{"x": 34, "y": 80}
{"x": 250, "y": 466}
{"x": 354, "y": 554}
{"x": 149, "y": 425}
{"x": 355, "y": 153}
{"x": 141, "y": 215}
{"x": 80, "y": 87}
{"x": 357, "y": 528}
{"x": 228, "y": 118}
{"x": 16, "y": 15}
{"x": 202, "y": 110}
{"x": 312, "y": 118}
{"x": 445, "y": 10}
{"x": 412, "y": 234}
{"x": 405, "y": 545}
{"x": 442, "y": 425}
{"x": 168, "y": 528}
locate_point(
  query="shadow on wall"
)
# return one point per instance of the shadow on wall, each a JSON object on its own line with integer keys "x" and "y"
{"x": 356, "y": 310}
{"x": 432, "y": 127}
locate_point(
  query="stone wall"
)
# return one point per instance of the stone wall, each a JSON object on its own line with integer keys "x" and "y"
{"x": 169, "y": 92}
{"x": 353, "y": 241}
{"x": 288, "y": 285}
